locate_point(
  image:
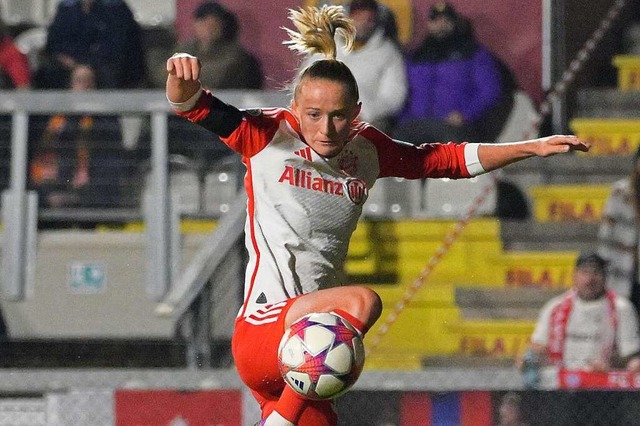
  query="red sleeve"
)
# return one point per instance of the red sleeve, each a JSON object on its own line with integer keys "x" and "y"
{"x": 400, "y": 159}
{"x": 15, "y": 64}
{"x": 255, "y": 131}
{"x": 252, "y": 133}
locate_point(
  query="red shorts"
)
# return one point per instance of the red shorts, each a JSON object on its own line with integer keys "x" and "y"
{"x": 255, "y": 352}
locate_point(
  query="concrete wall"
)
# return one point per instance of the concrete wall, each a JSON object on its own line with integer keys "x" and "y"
{"x": 90, "y": 285}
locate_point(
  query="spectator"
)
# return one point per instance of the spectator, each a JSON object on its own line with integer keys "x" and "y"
{"x": 453, "y": 82}
{"x": 14, "y": 74}
{"x": 618, "y": 234}
{"x": 376, "y": 62}
{"x": 75, "y": 164}
{"x": 388, "y": 22}
{"x": 588, "y": 327}
{"x": 226, "y": 64}
{"x": 14, "y": 65}
{"x": 99, "y": 33}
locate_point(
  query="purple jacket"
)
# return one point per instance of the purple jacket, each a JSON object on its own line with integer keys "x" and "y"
{"x": 470, "y": 86}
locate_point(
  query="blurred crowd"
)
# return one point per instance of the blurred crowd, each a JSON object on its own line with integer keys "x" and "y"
{"x": 447, "y": 89}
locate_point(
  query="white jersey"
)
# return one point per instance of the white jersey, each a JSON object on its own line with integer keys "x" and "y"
{"x": 302, "y": 208}
{"x": 588, "y": 330}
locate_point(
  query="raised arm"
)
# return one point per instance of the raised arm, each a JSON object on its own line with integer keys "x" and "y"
{"x": 494, "y": 156}
{"x": 183, "y": 77}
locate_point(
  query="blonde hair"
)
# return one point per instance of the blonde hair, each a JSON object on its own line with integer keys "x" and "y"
{"x": 317, "y": 28}
{"x": 316, "y": 33}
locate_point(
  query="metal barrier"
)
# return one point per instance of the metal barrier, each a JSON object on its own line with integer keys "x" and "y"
{"x": 162, "y": 242}
{"x": 437, "y": 396}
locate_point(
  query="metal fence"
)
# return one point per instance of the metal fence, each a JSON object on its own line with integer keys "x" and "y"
{"x": 144, "y": 167}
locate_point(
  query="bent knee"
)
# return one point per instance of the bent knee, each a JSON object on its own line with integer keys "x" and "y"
{"x": 370, "y": 304}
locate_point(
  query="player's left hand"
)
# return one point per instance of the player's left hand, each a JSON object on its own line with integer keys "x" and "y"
{"x": 558, "y": 144}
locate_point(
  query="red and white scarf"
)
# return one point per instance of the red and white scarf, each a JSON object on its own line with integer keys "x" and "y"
{"x": 558, "y": 327}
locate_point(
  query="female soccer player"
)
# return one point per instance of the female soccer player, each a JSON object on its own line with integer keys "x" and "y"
{"x": 309, "y": 169}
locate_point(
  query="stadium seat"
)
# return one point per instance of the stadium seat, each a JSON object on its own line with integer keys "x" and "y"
{"x": 221, "y": 185}
{"x": 392, "y": 198}
{"x": 184, "y": 183}
{"x": 451, "y": 198}
{"x": 521, "y": 121}
{"x": 608, "y": 136}
{"x": 628, "y": 71}
{"x": 153, "y": 13}
{"x": 569, "y": 203}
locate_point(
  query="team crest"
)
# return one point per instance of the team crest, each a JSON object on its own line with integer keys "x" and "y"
{"x": 356, "y": 190}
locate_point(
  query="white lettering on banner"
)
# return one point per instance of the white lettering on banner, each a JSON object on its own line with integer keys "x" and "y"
{"x": 612, "y": 380}
{"x": 619, "y": 380}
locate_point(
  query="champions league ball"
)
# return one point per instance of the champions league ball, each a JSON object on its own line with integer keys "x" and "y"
{"x": 321, "y": 356}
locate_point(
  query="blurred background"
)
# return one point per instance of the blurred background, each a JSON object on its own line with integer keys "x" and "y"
{"x": 122, "y": 224}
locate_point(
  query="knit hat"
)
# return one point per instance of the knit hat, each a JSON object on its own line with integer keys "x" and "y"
{"x": 442, "y": 9}
{"x": 363, "y": 4}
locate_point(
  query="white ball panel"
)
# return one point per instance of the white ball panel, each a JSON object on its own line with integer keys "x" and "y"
{"x": 325, "y": 318}
{"x": 339, "y": 359}
{"x": 317, "y": 339}
{"x": 328, "y": 386}
{"x": 292, "y": 353}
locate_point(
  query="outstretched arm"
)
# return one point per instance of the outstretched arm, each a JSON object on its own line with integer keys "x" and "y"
{"x": 183, "y": 77}
{"x": 494, "y": 156}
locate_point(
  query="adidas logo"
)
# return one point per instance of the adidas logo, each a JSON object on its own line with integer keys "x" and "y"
{"x": 304, "y": 153}
{"x": 262, "y": 298}
{"x": 298, "y": 383}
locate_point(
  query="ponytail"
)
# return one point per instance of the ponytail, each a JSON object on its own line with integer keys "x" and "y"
{"x": 317, "y": 29}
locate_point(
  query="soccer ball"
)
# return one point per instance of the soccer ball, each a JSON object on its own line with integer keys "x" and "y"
{"x": 321, "y": 356}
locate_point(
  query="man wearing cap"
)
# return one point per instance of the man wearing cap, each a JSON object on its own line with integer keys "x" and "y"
{"x": 588, "y": 327}
{"x": 591, "y": 328}
{"x": 454, "y": 82}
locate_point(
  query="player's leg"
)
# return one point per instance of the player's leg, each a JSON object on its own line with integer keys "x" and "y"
{"x": 255, "y": 344}
{"x": 312, "y": 413}
{"x": 361, "y": 307}
{"x": 255, "y": 352}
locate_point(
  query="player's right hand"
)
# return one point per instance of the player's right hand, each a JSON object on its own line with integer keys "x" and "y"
{"x": 184, "y": 66}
